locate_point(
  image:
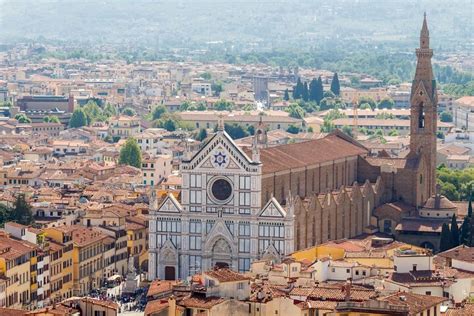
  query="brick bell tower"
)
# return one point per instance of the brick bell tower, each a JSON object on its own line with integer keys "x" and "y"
{"x": 424, "y": 115}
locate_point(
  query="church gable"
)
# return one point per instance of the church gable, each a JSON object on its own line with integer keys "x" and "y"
{"x": 170, "y": 205}
{"x": 420, "y": 93}
{"x": 221, "y": 153}
{"x": 273, "y": 209}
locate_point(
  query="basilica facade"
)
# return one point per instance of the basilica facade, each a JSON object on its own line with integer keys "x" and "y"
{"x": 239, "y": 205}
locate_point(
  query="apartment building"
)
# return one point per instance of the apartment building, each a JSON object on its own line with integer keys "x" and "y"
{"x": 156, "y": 168}
{"x": 124, "y": 126}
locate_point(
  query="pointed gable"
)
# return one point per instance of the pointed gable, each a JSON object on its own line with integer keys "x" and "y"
{"x": 170, "y": 205}
{"x": 273, "y": 209}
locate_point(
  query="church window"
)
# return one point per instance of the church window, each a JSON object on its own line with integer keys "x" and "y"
{"x": 195, "y": 242}
{"x": 244, "y": 265}
{"x": 244, "y": 183}
{"x": 421, "y": 179}
{"x": 209, "y": 225}
{"x": 421, "y": 116}
{"x": 195, "y": 227}
{"x": 387, "y": 226}
{"x": 244, "y": 198}
{"x": 194, "y": 264}
{"x": 195, "y": 180}
{"x": 244, "y": 211}
{"x": 244, "y": 229}
{"x": 194, "y": 197}
{"x": 244, "y": 245}
{"x": 230, "y": 226}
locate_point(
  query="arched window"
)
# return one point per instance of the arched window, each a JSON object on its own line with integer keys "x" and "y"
{"x": 421, "y": 116}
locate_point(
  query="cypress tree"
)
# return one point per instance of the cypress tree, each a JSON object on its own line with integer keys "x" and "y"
{"x": 298, "y": 90}
{"x": 454, "y": 231}
{"x": 466, "y": 231}
{"x": 22, "y": 211}
{"x": 305, "y": 93}
{"x": 445, "y": 242}
{"x": 313, "y": 90}
{"x": 469, "y": 208}
{"x": 286, "y": 97}
{"x": 319, "y": 90}
{"x": 335, "y": 86}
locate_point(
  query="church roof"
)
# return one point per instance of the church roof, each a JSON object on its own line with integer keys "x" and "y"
{"x": 329, "y": 148}
{"x": 399, "y": 163}
{"x": 444, "y": 203}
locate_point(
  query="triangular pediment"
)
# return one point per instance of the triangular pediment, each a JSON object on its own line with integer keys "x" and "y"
{"x": 220, "y": 152}
{"x": 273, "y": 209}
{"x": 271, "y": 253}
{"x": 220, "y": 229}
{"x": 170, "y": 205}
{"x": 420, "y": 93}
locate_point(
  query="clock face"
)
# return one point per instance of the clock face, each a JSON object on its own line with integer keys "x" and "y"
{"x": 221, "y": 190}
{"x": 220, "y": 159}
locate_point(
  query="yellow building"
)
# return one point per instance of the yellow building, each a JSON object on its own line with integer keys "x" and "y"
{"x": 137, "y": 242}
{"x": 124, "y": 126}
{"x": 16, "y": 267}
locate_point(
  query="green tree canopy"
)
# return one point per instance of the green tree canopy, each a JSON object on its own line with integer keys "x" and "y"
{"x": 235, "y": 130}
{"x": 22, "y": 118}
{"x": 386, "y": 103}
{"x": 454, "y": 231}
{"x": 446, "y": 238}
{"x": 22, "y": 211}
{"x": 129, "y": 112}
{"x": 202, "y": 135}
{"x": 130, "y": 153}
{"x": 296, "y": 111}
{"x": 446, "y": 117}
{"x": 158, "y": 111}
{"x": 367, "y": 100}
{"x": 305, "y": 92}
{"x": 298, "y": 89}
{"x": 293, "y": 129}
{"x": 78, "y": 118}
{"x": 335, "y": 85}
{"x": 286, "y": 96}
{"x": 224, "y": 105}
{"x": 467, "y": 231}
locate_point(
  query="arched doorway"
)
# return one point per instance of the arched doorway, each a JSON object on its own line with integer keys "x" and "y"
{"x": 221, "y": 254}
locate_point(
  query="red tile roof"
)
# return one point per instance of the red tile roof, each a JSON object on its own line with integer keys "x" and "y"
{"x": 226, "y": 275}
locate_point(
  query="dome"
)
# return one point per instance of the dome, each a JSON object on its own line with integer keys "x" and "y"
{"x": 439, "y": 202}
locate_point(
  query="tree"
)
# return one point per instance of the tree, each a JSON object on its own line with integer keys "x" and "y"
{"x": 78, "y": 118}
{"x": 393, "y": 132}
{"x": 445, "y": 242}
{"x": 329, "y": 94}
{"x": 466, "y": 231}
{"x": 327, "y": 126}
{"x": 184, "y": 106}
{"x": 335, "y": 85}
{"x": 251, "y": 130}
{"x": 454, "y": 231}
{"x": 469, "y": 207}
{"x": 109, "y": 110}
{"x": 201, "y": 107}
{"x": 368, "y": 100}
{"x": 224, "y": 105}
{"x": 310, "y": 129}
{"x": 129, "y": 112}
{"x": 158, "y": 111}
{"x": 22, "y": 211}
{"x": 235, "y": 130}
{"x": 93, "y": 112}
{"x": 386, "y": 103}
{"x": 347, "y": 130}
{"x": 22, "y": 118}
{"x": 319, "y": 90}
{"x": 293, "y": 129}
{"x": 170, "y": 125}
{"x": 51, "y": 119}
{"x": 296, "y": 111}
{"x": 5, "y": 214}
{"x": 202, "y": 134}
{"x": 217, "y": 89}
{"x": 286, "y": 97}
{"x": 130, "y": 153}
{"x": 446, "y": 117}
{"x": 305, "y": 93}
{"x": 298, "y": 90}
{"x": 313, "y": 90}
{"x": 205, "y": 76}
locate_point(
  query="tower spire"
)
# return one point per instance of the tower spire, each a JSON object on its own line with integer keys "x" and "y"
{"x": 424, "y": 34}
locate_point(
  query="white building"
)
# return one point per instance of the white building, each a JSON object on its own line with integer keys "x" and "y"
{"x": 156, "y": 169}
{"x": 220, "y": 220}
{"x": 463, "y": 113}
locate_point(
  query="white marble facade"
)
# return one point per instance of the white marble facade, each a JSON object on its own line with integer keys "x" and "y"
{"x": 220, "y": 220}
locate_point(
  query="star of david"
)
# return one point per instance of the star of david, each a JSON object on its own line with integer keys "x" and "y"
{"x": 220, "y": 159}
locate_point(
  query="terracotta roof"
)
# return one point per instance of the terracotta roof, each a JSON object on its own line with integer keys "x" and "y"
{"x": 453, "y": 149}
{"x": 444, "y": 203}
{"x": 333, "y": 292}
{"x": 416, "y": 303}
{"x": 158, "y": 287}
{"x": 12, "y": 312}
{"x": 203, "y": 303}
{"x": 420, "y": 225}
{"x": 329, "y": 148}
{"x": 226, "y": 275}
{"x": 467, "y": 100}
{"x": 461, "y": 253}
{"x": 83, "y": 236}
{"x": 467, "y": 309}
{"x": 393, "y": 210}
{"x": 417, "y": 278}
{"x": 155, "y": 307}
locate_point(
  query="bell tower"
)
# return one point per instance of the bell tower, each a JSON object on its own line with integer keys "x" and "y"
{"x": 424, "y": 116}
